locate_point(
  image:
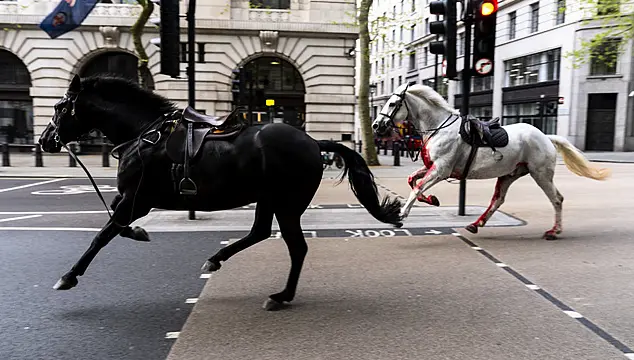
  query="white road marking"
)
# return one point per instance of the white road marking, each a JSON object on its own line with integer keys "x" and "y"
{"x": 476, "y": 248}
{"x": 31, "y": 185}
{"x": 455, "y": 234}
{"x": 191, "y": 301}
{"x": 172, "y": 335}
{"x": 20, "y": 218}
{"x": 501, "y": 264}
{"x": 224, "y": 242}
{"x": 532, "y": 287}
{"x": 573, "y": 314}
{"x": 32, "y": 228}
{"x": 205, "y": 276}
{"x": 629, "y": 355}
{"x": 53, "y": 212}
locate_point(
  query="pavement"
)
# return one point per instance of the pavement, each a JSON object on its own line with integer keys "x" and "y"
{"x": 429, "y": 290}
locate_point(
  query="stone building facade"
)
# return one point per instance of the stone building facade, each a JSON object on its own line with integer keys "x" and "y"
{"x": 299, "y": 51}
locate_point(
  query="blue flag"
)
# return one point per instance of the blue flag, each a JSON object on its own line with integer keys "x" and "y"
{"x": 68, "y": 15}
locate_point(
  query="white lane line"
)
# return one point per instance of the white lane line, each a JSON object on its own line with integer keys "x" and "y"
{"x": 31, "y": 185}
{"x": 501, "y": 264}
{"x": 172, "y": 335}
{"x": 53, "y": 212}
{"x": 573, "y": 314}
{"x": 20, "y": 218}
{"x": 205, "y": 276}
{"x": 24, "y": 228}
{"x": 532, "y": 287}
{"x": 629, "y": 355}
{"x": 191, "y": 301}
{"x": 224, "y": 242}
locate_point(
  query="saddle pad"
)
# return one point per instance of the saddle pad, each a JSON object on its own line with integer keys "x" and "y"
{"x": 499, "y": 136}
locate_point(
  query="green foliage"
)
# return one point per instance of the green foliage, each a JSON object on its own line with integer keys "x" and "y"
{"x": 602, "y": 47}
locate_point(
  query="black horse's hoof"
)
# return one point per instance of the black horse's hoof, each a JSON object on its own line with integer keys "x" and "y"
{"x": 210, "y": 266}
{"x": 472, "y": 229}
{"x": 398, "y": 225}
{"x": 65, "y": 283}
{"x": 139, "y": 234}
{"x": 434, "y": 200}
{"x": 272, "y": 305}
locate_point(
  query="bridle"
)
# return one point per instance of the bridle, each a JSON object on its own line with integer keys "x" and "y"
{"x": 397, "y": 106}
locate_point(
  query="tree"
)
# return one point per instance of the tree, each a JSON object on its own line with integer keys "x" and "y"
{"x": 137, "y": 31}
{"x": 371, "y": 32}
{"x": 603, "y": 47}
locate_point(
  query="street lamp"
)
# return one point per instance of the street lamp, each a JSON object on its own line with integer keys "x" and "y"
{"x": 372, "y": 90}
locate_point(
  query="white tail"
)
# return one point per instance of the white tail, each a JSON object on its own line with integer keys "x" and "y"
{"x": 575, "y": 161}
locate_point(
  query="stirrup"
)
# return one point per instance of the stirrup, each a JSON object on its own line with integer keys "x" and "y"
{"x": 187, "y": 187}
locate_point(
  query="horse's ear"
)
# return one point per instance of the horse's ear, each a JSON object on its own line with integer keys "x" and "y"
{"x": 75, "y": 84}
{"x": 404, "y": 89}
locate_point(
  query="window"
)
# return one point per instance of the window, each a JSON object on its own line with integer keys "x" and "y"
{"x": 460, "y": 44}
{"x": 413, "y": 5}
{"x": 534, "y": 17}
{"x": 481, "y": 112}
{"x": 426, "y": 29}
{"x": 392, "y": 85}
{"x": 561, "y": 12}
{"x": 412, "y": 61}
{"x": 382, "y": 87}
{"x": 603, "y": 59}
{"x": 533, "y": 68}
{"x": 271, "y": 4}
{"x": 394, "y": 12}
{"x": 383, "y": 65}
{"x": 608, "y": 7}
{"x": 541, "y": 114}
{"x": 425, "y": 56}
{"x": 477, "y": 84}
{"x": 400, "y": 59}
{"x": 400, "y": 80}
{"x": 413, "y": 33}
{"x": 512, "y": 25}
{"x": 401, "y": 34}
{"x": 393, "y": 61}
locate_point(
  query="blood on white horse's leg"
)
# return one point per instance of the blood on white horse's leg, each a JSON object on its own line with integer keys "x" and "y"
{"x": 431, "y": 178}
{"x": 544, "y": 178}
{"x": 412, "y": 181}
{"x": 501, "y": 188}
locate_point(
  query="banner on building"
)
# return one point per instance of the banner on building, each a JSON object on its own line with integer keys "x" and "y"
{"x": 67, "y": 16}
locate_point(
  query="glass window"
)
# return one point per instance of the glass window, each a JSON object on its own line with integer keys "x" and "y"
{"x": 561, "y": 11}
{"x": 541, "y": 114}
{"x": 443, "y": 86}
{"x": 534, "y": 17}
{"x": 533, "y": 68}
{"x": 604, "y": 57}
{"x": 512, "y": 25}
{"x": 271, "y": 4}
{"x": 608, "y": 7}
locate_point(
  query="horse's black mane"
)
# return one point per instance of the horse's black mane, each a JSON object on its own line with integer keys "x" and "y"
{"x": 124, "y": 90}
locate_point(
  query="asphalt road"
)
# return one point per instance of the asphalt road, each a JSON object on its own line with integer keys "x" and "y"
{"x": 131, "y": 297}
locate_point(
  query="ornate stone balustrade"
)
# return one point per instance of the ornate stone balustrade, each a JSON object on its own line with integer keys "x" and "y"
{"x": 267, "y": 15}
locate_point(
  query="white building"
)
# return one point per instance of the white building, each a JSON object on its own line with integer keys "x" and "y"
{"x": 298, "y": 51}
{"x": 533, "y": 79}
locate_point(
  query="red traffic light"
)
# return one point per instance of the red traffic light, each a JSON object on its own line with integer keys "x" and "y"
{"x": 488, "y": 7}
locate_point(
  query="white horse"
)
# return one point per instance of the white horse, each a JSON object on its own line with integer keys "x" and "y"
{"x": 445, "y": 153}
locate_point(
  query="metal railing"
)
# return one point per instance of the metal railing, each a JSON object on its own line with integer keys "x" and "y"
{"x": 38, "y": 158}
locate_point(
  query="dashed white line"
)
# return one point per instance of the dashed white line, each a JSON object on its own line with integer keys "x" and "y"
{"x": 191, "y": 301}
{"x": 224, "y": 242}
{"x": 573, "y": 314}
{"x": 20, "y": 218}
{"x": 476, "y": 248}
{"x": 205, "y": 276}
{"x": 53, "y": 212}
{"x": 31, "y": 185}
{"x": 25, "y": 228}
{"x": 532, "y": 287}
{"x": 172, "y": 335}
{"x": 455, "y": 234}
{"x": 501, "y": 264}
{"x": 629, "y": 355}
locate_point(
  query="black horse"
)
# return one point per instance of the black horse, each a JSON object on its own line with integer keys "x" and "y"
{"x": 276, "y": 166}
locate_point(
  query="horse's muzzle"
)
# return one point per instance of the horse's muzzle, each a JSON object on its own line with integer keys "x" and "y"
{"x": 379, "y": 129}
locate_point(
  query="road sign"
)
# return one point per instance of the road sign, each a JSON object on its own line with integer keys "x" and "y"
{"x": 483, "y": 66}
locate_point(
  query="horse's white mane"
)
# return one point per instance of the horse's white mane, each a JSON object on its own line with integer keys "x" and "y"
{"x": 428, "y": 94}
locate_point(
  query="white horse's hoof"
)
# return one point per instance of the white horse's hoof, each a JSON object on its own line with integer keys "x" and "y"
{"x": 209, "y": 266}
{"x": 65, "y": 284}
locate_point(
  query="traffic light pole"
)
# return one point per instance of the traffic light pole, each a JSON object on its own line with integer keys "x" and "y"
{"x": 436, "y": 61}
{"x": 191, "y": 64}
{"x": 466, "y": 85}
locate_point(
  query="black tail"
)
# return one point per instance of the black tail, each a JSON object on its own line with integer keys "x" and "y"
{"x": 363, "y": 185}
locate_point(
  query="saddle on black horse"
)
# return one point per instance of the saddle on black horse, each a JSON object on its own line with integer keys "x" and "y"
{"x": 191, "y": 131}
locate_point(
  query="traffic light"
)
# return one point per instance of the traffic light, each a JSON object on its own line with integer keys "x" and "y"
{"x": 484, "y": 37}
{"x": 447, "y": 28}
{"x": 169, "y": 40}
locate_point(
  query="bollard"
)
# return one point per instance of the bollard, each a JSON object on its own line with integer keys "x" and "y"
{"x": 360, "y": 146}
{"x": 192, "y": 215}
{"x": 397, "y": 153}
{"x": 105, "y": 158}
{"x": 38, "y": 156}
{"x": 402, "y": 147}
{"x": 385, "y": 148}
{"x": 6, "y": 161}
{"x": 71, "y": 160}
